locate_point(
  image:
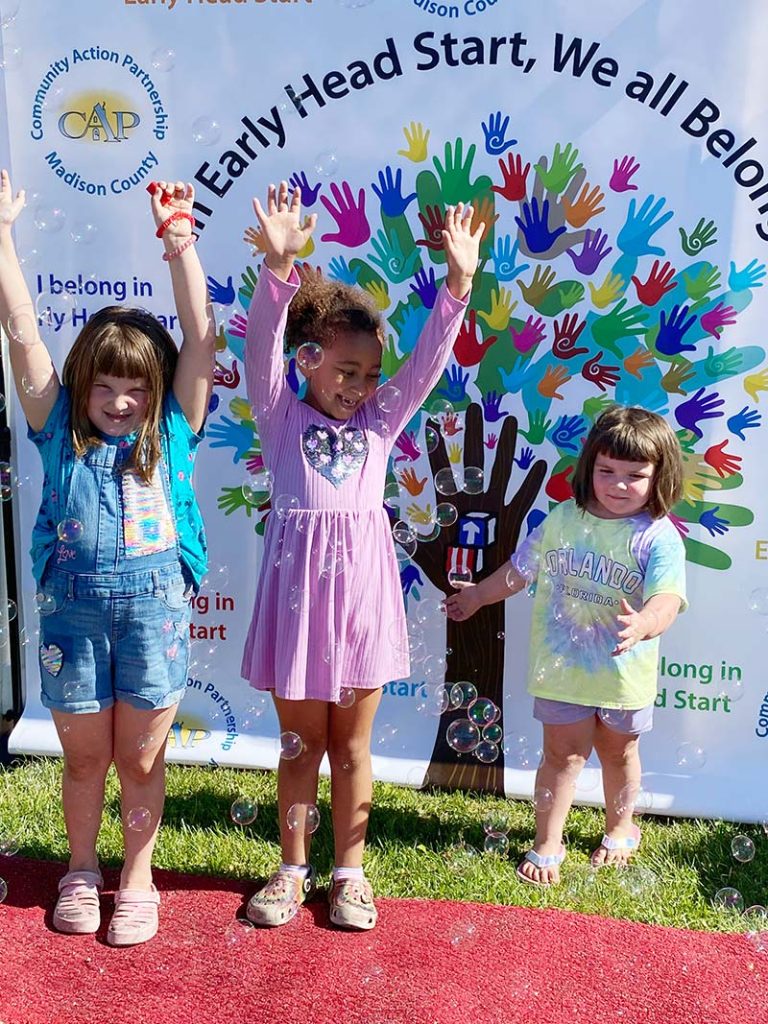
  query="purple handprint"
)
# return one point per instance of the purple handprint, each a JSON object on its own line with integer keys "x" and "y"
{"x": 309, "y": 193}
{"x": 425, "y": 287}
{"x": 529, "y": 336}
{"x": 354, "y": 228}
{"x": 535, "y": 226}
{"x": 492, "y": 407}
{"x": 669, "y": 340}
{"x": 525, "y": 459}
{"x": 406, "y": 444}
{"x": 593, "y": 252}
{"x": 714, "y": 320}
{"x": 236, "y": 326}
{"x": 622, "y": 172}
{"x": 698, "y": 407}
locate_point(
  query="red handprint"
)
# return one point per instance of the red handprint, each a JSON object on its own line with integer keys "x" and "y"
{"x": 469, "y": 348}
{"x": 558, "y": 486}
{"x": 595, "y": 372}
{"x": 513, "y": 174}
{"x": 491, "y": 441}
{"x": 451, "y": 424}
{"x": 564, "y": 345}
{"x": 721, "y": 461}
{"x": 658, "y": 284}
{"x": 433, "y": 222}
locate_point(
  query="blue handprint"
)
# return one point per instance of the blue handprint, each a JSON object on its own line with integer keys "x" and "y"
{"x": 750, "y": 277}
{"x": 408, "y": 577}
{"x": 669, "y": 340}
{"x": 292, "y": 377}
{"x": 492, "y": 407}
{"x": 535, "y": 226}
{"x": 744, "y": 419}
{"x": 524, "y": 459}
{"x": 229, "y": 434}
{"x": 714, "y": 523}
{"x": 635, "y": 237}
{"x": 535, "y": 517}
{"x": 309, "y": 193}
{"x": 456, "y": 391}
{"x": 565, "y": 432}
{"x": 425, "y": 287}
{"x": 494, "y": 132}
{"x": 504, "y": 256}
{"x": 513, "y": 380}
{"x": 393, "y": 202}
{"x": 339, "y": 270}
{"x": 223, "y": 294}
{"x": 409, "y": 324}
{"x": 698, "y": 407}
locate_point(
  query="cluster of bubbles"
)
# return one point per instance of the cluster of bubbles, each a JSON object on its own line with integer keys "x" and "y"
{"x": 731, "y": 900}
{"x": 9, "y": 846}
{"x": 479, "y": 733}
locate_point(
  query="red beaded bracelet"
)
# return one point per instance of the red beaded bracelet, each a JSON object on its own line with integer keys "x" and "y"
{"x": 178, "y": 251}
{"x": 178, "y": 215}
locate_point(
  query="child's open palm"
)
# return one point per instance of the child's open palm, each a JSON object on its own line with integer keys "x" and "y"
{"x": 284, "y": 234}
{"x": 10, "y": 208}
{"x": 462, "y": 247}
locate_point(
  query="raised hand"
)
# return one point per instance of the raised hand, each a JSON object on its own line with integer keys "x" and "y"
{"x": 672, "y": 330}
{"x": 229, "y": 434}
{"x": 594, "y": 250}
{"x": 389, "y": 257}
{"x": 555, "y": 178}
{"x": 339, "y": 270}
{"x": 390, "y": 193}
{"x": 720, "y": 365}
{"x": 309, "y": 193}
{"x": 470, "y": 346}
{"x": 284, "y": 232}
{"x": 623, "y": 173}
{"x": 542, "y": 281}
{"x": 660, "y": 281}
{"x": 750, "y": 277}
{"x": 714, "y": 524}
{"x": 535, "y": 227}
{"x": 411, "y": 482}
{"x": 679, "y": 372}
{"x": 352, "y": 223}
{"x": 513, "y": 176}
{"x": 456, "y": 389}
{"x": 754, "y": 383}
{"x": 408, "y": 447}
{"x": 565, "y": 432}
{"x": 223, "y": 294}
{"x": 553, "y": 378}
{"x": 598, "y": 373}
{"x": 697, "y": 408}
{"x": 699, "y": 285}
{"x": 495, "y": 132}
{"x": 714, "y": 320}
{"x": 504, "y": 256}
{"x": 608, "y": 292}
{"x": 417, "y": 140}
{"x": 433, "y": 222}
{"x": 745, "y": 419}
{"x": 492, "y": 407}
{"x": 566, "y": 336}
{"x": 641, "y": 225}
{"x": 619, "y": 323}
{"x": 461, "y": 241}
{"x": 497, "y": 317}
{"x": 529, "y": 336}
{"x": 638, "y": 361}
{"x": 722, "y": 461}
{"x": 585, "y": 207}
{"x": 703, "y": 235}
{"x": 10, "y": 205}
{"x": 425, "y": 287}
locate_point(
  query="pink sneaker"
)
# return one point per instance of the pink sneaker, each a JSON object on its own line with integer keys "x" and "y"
{"x": 77, "y": 909}
{"x": 135, "y": 918}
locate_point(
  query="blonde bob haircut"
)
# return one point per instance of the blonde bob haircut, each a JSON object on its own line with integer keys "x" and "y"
{"x": 121, "y": 342}
{"x": 634, "y": 435}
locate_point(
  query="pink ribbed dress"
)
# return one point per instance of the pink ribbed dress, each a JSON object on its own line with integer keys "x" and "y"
{"x": 329, "y": 608}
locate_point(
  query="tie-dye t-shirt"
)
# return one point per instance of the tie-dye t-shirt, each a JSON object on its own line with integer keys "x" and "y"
{"x": 582, "y": 567}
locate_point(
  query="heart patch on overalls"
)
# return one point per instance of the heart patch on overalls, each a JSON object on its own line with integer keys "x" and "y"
{"x": 336, "y": 455}
{"x": 51, "y": 658}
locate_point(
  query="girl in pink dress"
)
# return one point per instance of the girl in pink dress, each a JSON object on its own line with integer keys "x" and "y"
{"x": 328, "y": 627}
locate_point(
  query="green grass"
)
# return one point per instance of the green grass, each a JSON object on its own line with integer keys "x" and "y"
{"x": 421, "y": 844}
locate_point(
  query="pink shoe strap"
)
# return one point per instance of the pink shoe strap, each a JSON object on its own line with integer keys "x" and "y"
{"x": 137, "y": 896}
{"x": 76, "y": 879}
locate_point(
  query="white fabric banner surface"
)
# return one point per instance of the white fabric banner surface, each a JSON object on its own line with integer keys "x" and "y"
{"x": 617, "y": 153}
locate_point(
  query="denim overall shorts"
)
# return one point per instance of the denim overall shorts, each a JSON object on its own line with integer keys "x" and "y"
{"x": 114, "y": 601}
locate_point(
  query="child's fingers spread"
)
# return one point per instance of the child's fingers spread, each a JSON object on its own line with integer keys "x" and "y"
{"x": 258, "y": 209}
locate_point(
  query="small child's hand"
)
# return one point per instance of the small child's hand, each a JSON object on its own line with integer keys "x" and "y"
{"x": 464, "y": 603}
{"x": 636, "y": 627}
{"x": 10, "y": 208}
{"x": 173, "y": 199}
{"x": 283, "y": 232}
{"x": 462, "y": 248}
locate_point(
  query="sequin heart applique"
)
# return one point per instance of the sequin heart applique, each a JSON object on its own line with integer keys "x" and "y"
{"x": 335, "y": 454}
{"x": 51, "y": 658}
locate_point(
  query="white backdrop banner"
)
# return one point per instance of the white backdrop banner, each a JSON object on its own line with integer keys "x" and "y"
{"x": 616, "y": 151}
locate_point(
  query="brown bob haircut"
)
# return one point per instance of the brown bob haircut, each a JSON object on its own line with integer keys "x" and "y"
{"x": 635, "y": 435}
{"x": 121, "y": 342}
{"x": 321, "y": 307}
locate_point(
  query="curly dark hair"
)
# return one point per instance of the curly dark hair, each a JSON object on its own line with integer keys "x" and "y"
{"x": 321, "y": 307}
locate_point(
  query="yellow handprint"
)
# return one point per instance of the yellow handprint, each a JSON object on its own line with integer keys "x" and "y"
{"x": 417, "y": 140}
{"x": 698, "y": 477}
{"x": 221, "y": 341}
{"x": 609, "y": 291}
{"x": 416, "y": 514}
{"x": 241, "y": 410}
{"x": 307, "y": 250}
{"x": 454, "y": 453}
{"x": 755, "y": 383}
{"x": 378, "y": 292}
{"x": 497, "y": 317}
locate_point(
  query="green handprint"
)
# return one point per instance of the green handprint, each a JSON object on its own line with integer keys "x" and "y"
{"x": 555, "y": 178}
{"x": 537, "y": 427}
{"x": 594, "y": 407}
{"x": 391, "y": 361}
{"x": 389, "y": 256}
{"x": 698, "y": 286}
{"x": 366, "y": 275}
{"x": 232, "y": 498}
{"x": 720, "y": 365}
{"x": 249, "y": 277}
{"x": 606, "y": 330}
{"x": 701, "y": 236}
{"x": 454, "y": 175}
{"x": 563, "y": 296}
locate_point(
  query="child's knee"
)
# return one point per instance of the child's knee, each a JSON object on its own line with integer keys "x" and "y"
{"x": 87, "y": 766}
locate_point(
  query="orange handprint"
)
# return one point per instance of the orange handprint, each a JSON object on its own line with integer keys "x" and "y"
{"x": 554, "y": 377}
{"x": 411, "y": 482}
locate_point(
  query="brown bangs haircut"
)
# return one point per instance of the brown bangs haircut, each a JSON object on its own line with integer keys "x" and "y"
{"x": 121, "y": 342}
{"x": 320, "y": 308}
{"x": 635, "y": 435}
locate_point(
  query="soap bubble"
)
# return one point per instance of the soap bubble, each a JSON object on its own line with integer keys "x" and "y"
{"x": 463, "y": 933}
{"x": 493, "y": 732}
{"x": 474, "y": 480}
{"x": 146, "y": 741}
{"x": 38, "y": 384}
{"x": 430, "y": 609}
{"x": 486, "y": 751}
{"x": 346, "y": 697}
{"x": 388, "y": 398}
{"x": 206, "y": 131}
{"x": 257, "y": 487}
{"x": 73, "y": 691}
{"x": 284, "y": 504}
{"x": 310, "y": 356}
{"x": 49, "y": 219}
{"x": 54, "y": 311}
{"x": 482, "y": 711}
{"x": 403, "y": 532}
{"x": 542, "y": 798}
{"x": 441, "y": 407}
{"x": 743, "y": 849}
{"x": 758, "y": 601}
{"x": 7, "y": 481}
{"x": 458, "y": 576}
{"x": 435, "y": 703}
{"x": 291, "y": 745}
{"x": 462, "y": 694}
{"x": 434, "y": 668}
{"x": 637, "y": 879}
{"x": 138, "y": 819}
{"x": 84, "y": 232}
{"x": 304, "y": 818}
{"x": 446, "y": 514}
{"x": 243, "y": 811}
{"x": 633, "y": 799}
{"x": 462, "y": 736}
{"x": 70, "y": 531}
{"x": 417, "y": 777}
{"x": 729, "y": 899}
{"x": 11, "y": 610}
{"x": 163, "y": 58}
{"x": 326, "y": 164}
{"x": 45, "y": 604}
{"x": 22, "y": 325}
{"x": 431, "y": 439}
{"x": 238, "y": 931}
{"x": 3, "y": 890}
{"x": 496, "y": 843}
{"x": 445, "y": 481}
{"x": 691, "y": 756}
{"x": 9, "y": 845}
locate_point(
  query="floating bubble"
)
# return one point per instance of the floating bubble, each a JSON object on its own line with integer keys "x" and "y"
{"x": 417, "y": 777}
{"x": 257, "y": 487}
{"x": 243, "y": 811}
{"x": 403, "y": 532}
{"x": 385, "y": 735}
{"x": 758, "y": 601}
{"x": 388, "y": 398}
{"x": 38, "y": 385}
{"x": 482, "y": 711}
{"x": 284, "y": 504}
{"x": 326, "y": 164}
{"x": 445, "y": 481}
{"x": 332, "y": 563}
{"x": 3, "y": 890}
{"x": 729, "y": 899}
{"x": 9, "y": 12}
{"x": 254, "y": 711}
{"x": 138, "y": 819}
{"x": 446, "y": 514}
{"x": 690, "y": 756}
{"x": 497, "y": 844}
{"x": 486, "y": 751}
{"x": 501, "y": 635}
{"x": 632, "y": 799}
{"x": 458, "y": 576}
{"x": 49, "y": 219}
{"x": 497, "y": 821}
{"x": 474, "y": 480}
{"x": 431, "y": 439}
{"x": 9, "y": 845}
{"x": 70, "y": 531}
{"x": 435, "y": 703}
{"x": 74, "y": 691}
{"x": 54, "y": 311}
{"x": 146, "y": 741}
{"x": 206, "y": 131}
{"x": 291, "y": 745}
{"x": 743, "y": 849}
{"x": 84, "y": 232}
{"x": 542, "y": 798}
{"x": 430, "y": 609}
{"x": 7, "y": 481}
{"x": 347, "y": 697}
{"x": 637, "y": 880}
{"x": 11, "y": 611}
{"x": 310, "y": 356}
{"x": 11, "y": 58}
{"x": 733, "y": 690}
{"x": 22, "y": 325}
{"x": 462, "y": 736}
{"x": 163, "y": 58}
{"x": 462, "y": 933}
{"x": 434, "y": 668}
{"x": 462, "y": 694}
{"x": 239, "y": 931}
{"x": 441, "y": 407}
{"x": 304, "y": 818}
{"x": 393, "y": 494}
{"x": 45, "y": 604}
{"x": 493, "y": 733}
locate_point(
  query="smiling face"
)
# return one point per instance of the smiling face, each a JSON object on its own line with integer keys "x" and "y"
{"x": 347, "y": 377}
{"x": 118, "y": 405}
{"x": 620, "y": 488}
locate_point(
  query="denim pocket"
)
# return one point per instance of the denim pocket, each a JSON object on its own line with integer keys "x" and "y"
{"x": 175, "y": 597}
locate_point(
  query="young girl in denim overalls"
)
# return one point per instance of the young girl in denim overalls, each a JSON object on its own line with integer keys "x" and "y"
{"x": 118, "y": 548}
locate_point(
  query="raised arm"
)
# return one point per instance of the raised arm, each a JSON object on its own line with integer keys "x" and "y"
{"x": 37, "y": 383}
{"x": 172, "y": 211}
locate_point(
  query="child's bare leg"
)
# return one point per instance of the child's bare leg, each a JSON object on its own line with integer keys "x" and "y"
{"x": 139, "y": 753}
{"x": 87, "y": 744}
{"x": 297, "y": 777}
{"x": 620, "y": 758}
{"x": 566, "y": 749}
{"x": 349, "y": 752}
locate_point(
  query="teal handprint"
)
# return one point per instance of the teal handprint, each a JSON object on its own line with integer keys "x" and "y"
{"x": 389, "y": 256}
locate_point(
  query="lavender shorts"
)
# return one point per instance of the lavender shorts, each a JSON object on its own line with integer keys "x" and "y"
{"x": 558, "y": 712}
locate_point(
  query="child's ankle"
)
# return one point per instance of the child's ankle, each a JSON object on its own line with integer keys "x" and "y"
{"x": 343, "y": 874}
